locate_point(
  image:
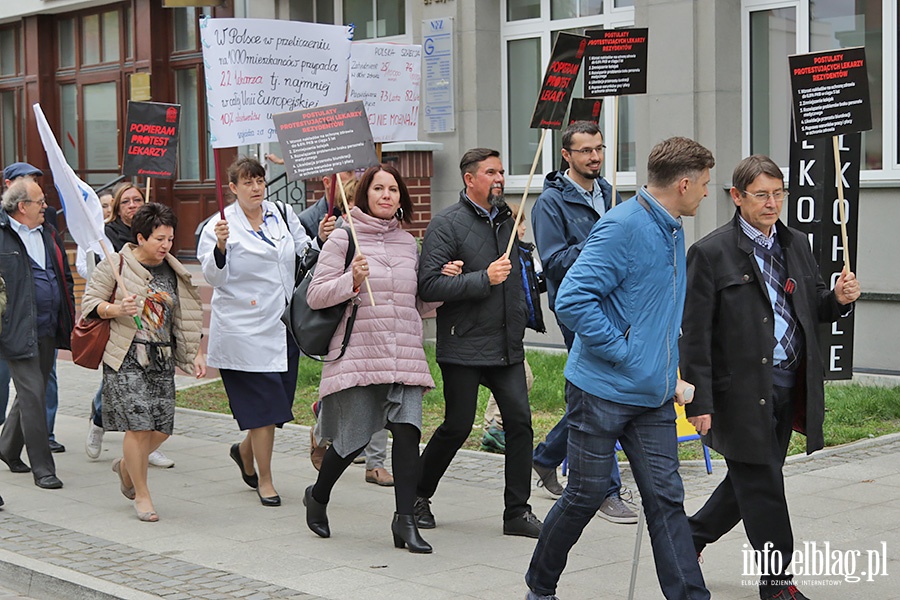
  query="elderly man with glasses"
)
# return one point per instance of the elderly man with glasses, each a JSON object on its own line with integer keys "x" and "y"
{"x": 39, "y": 318}
{"x": 754, "y": 302}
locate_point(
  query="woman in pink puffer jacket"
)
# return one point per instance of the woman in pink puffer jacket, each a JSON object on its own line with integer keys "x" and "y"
{"x": 380, "y": 380}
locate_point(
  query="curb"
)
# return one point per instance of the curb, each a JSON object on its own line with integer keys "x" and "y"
{"x": 44, "y": 581}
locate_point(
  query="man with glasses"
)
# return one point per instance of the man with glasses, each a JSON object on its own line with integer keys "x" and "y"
{"x": 16, "y": 172}
{"x": 754, "y": 301}
{"x": 571, "y": 203}
{"x": 38, "y": 320}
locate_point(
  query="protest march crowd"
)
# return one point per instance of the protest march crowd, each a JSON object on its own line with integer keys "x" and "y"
{"x": 738, "y": 313}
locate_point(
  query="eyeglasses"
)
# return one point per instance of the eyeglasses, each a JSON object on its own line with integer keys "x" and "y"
{"x": 588, "y": 151}
{"x": 777, "y": 195}
{"x": 132, "y": 201}
{"x": 42, "y": 201}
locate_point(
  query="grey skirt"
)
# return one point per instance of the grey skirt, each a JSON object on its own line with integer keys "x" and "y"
{"x": 350, "y": 417}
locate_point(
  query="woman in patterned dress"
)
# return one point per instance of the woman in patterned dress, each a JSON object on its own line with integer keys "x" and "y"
{"x": 155, "y": 327}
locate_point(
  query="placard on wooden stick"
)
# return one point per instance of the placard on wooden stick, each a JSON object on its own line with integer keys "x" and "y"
{"x": 324, "y": 140}
{"x": 830, "y": 93}
{"x": 553, "y": 102}
{"x": 151, "y": 139}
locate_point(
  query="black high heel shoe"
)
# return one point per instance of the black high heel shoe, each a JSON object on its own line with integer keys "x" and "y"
{"x": 406, "y": 533}
{"x": 316, "y": 518}
{"x": 269, "y": 500}
{"x": 235, "y": 453}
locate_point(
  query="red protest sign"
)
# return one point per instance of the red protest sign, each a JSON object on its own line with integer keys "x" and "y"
{"x": 151, "y": 139}
{"x": 559, "y": 81}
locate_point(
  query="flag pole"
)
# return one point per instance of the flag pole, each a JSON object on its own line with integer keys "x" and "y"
{"x": 515, "y": 230}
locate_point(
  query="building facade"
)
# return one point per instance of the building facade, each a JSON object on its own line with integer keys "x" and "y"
{"x": 717, "y": 73}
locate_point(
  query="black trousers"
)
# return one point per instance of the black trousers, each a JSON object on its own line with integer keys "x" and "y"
{"x": 754, "y": 493}
{"x": 27, "y": 422}
{"x": 460, "y": 401}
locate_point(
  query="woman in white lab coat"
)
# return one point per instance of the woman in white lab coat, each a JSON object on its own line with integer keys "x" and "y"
{"x": 248, "y": 258}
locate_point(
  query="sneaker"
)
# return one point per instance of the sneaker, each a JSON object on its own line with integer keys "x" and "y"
{"x": 525, "y": 525}
{"x": 615, "y": 510}
{"x": 494, "y": 440}
{"x": 547, "y": 479}
{"x": 422, "y": 511}
{"x": 94, "y": 443}
{"x": 789, "y": 593}
{"x": 158, "y": 459}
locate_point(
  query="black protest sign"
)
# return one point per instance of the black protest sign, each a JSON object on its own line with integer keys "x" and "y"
{"x": 812, "y": 208}
{"x": 326, "y": 139}
{"x": 559, "y": 81}
{"x": 585, "y": 109}
{"x": 615, "y": 62}
{"x": 151, "y": 139}
{"x": 830, "y": 93}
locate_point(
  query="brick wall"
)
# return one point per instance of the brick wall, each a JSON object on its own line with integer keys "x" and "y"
{"x": 417, "y": 169}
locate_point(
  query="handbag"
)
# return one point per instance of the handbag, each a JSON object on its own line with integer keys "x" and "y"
{"x": 90, "y": 335}
{"x": 313, "y": 329}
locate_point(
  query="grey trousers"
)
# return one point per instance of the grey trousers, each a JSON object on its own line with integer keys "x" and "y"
{"x": 26, "y": 424}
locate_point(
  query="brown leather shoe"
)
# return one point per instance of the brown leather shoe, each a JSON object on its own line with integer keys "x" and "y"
{"x": 379, "y": 476}
{"x": 316, "y": 452}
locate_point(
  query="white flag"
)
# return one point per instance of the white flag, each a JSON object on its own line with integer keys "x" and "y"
{"x": 84, "y": 215}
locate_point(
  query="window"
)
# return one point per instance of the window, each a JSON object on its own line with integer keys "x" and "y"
{"x": 101, "y": 136}
{"x": 375, "y": 18}
{"x": 185, "y": 28}
{"x": 528, "y": 32}
{"x": 779, "y": 29}
{"x": 773, "y": 36}
{"x": 842, "y": 24}
{"x": 188, "y": 145}
{"x": 9, "y": 124}
{"x": 316, "y": 11}
{"x": 10, "y": 59}
{"x": 66, "y": 43}
{"x": 68, "y": 96}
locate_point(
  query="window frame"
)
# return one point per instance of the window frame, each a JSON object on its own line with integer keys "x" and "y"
{"x": 542, "y": 28}
{"x": 889, "y": 174}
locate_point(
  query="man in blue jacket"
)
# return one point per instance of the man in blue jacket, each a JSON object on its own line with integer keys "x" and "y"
{"x": 571, "y": 203}
{"x": 623, "y": 298}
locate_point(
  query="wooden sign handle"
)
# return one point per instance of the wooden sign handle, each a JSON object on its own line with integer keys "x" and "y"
{"x": 840, "y": 186}
{"x": 515, "y": 230}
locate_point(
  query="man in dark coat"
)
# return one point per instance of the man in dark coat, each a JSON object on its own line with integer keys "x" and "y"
{"x": 38, "y": 319}
{"x": 754, "y": 301}
{"x": 480, "y": 327}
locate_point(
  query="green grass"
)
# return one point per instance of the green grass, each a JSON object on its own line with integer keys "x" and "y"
{"x": 853, "y": 412}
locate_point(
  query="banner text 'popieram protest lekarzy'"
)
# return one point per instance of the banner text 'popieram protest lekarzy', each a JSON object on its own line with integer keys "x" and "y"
{"x": 386, "y": 79}
{"x": 259, "y": 67}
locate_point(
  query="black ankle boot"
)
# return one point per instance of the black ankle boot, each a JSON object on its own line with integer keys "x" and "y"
{"x": 406, "y": 533}
{"x": 316, "y": 518}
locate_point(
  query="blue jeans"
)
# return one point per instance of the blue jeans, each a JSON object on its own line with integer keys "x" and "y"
{"x": 52, "y": 394}
{"x": 52, "y": 398}
{"x": 649, "y": 439}
{"x": 552, "y": 451}
{"x": 97, "y": 407}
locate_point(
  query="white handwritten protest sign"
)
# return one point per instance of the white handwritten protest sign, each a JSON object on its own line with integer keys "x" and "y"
{"x": 385, "y": 78}
{"x": 258, "y": 67}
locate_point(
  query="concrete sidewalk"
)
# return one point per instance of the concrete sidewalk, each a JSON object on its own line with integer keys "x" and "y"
{"x": 215, "y": 541}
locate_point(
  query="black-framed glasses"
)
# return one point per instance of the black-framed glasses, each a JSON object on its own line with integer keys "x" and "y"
{"x": 588, "y": 151}
{"x": 777, "y": 195}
